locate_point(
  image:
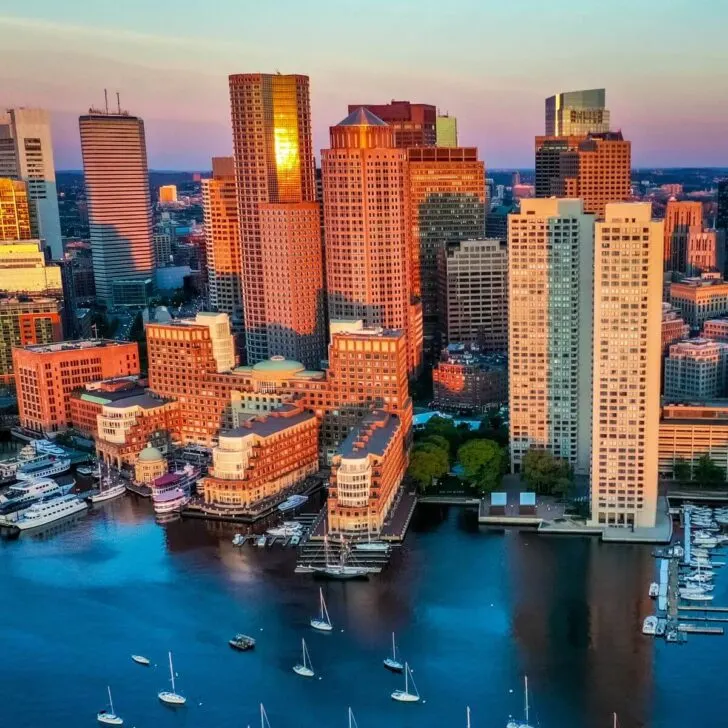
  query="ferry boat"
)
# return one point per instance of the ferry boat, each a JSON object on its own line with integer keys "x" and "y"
{"x": 173, "y": 491}
{"x": 43, "y": 466}
{"x": 26, "y": 493}
{"x": 292, "y": 503}
{"x": 51, "y": 510}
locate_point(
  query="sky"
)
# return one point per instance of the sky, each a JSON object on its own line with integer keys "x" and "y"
{"x": 490, "y": 63}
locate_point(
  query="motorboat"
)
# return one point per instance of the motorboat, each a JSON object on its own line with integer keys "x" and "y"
{"x": 40, "y": 514}
{"x": 242, "y": 642}
{"x": 171, "y": 697}
{"x": 305, "y": 668}
{"x": 695, "y": 596}
{"x": 173, "y": 491}
{"x": 290, "y": 504}
{"x": 261, "y": 541}
{"x": 172, "y": 501}
{"x": 372, "y": 546}
{"x": 654, "y": 590}
{"x": 660, "y": 628}
{"x": 293, "y": 524}
{"x": 284, "y": 531}
{"x": 405, "y": 696}
{"x": 109, "y": 717}
{"x": 392, "y": 663}
{"x": 43, "y": 466}
{"x": 141, "y": 660}
{"x": 238, "y": 539}
{"x": 525, "y": 723}
{"x": 27, "y": 493}
{"x": 649, "y": 626}
{"x": 323, "y": 622}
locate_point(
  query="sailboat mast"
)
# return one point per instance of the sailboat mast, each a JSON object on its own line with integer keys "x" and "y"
{"x": 111, "y": 702}
{"x": 406, "y": 678}
{"x": 171, "y": 671}
{"x": 525, "y": 682}
{"x": 394, "y": 649}
{"x": 615, "y": 720}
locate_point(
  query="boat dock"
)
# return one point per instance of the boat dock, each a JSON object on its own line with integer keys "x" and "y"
{"x": 697, "y": 629}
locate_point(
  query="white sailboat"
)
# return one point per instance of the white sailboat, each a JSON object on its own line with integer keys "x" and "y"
{"x": 141, "y": 660}
{"x": 171, "y": 697}
{"x": 109, "y": 717}
{"x": 392, "y": 663}
{"x": 107, "y": 491}
{"x": 323, "y": 623}
{"x": 405, "y": 696}
{"x": 306, "y": 669}
{"x": 352, "y": 720}
{"x": 517, "y": 723}
{"x": 264, "y": 722}
{"x": 369, "y": 545}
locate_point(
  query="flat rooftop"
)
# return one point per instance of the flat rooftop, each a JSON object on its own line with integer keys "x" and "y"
{"x": 143, "y": 400}
{"x": 278, "y": 420}
{"x": 371, "y": 437}
{"x": 74, "y": 345}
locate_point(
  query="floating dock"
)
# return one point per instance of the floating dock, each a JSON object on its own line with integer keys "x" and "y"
{"x": 697, "y": 629}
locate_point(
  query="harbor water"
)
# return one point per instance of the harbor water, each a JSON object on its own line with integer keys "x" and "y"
{"x": 473, "y": 612}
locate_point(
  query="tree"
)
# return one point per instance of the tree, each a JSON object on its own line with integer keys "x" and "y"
{"x": 426, "y": 463}
{"x": 543, "y": 472}
{"x": 483, "y": 462}
{"x": 442, "y": 427}
{"x": 707, "y": 471}
{"x": 438, "y": 441}
{"x": 681, "y": 470}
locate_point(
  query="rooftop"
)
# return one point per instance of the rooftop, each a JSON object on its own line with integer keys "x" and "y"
{"x": 280, "y": 419}
{"x": 362, "y": 117}
{"x": 371, "y": 437}
{"x": 74, "y": 345}
{"x": 143, "y": 400}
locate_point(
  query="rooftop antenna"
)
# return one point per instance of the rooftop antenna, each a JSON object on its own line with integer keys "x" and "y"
{"x": 118, "y": 103}
{"x": 106, "y": 100}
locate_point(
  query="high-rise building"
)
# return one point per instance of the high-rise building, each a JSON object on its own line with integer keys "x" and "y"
{"x": 700, "y": 298}
{"x": 473, "y": 287}
{"x": 446, "y": 130}
{"x": 446, "y": 201}
{"x": 370, "y": 274}
{"x": 577, "y": 113}
{"x": 23, "y": 269}
{"x": 117, "y": 187}
{"x": 26, "y": 153}
{"x": 550, "y": 286}
{"x": 167, "y": 194}
{"x": 23, "y": 322}
{"x": 695, "y": 371}
{"x": 162, "y": 242}
{"x": 706, "y": 251}
{"x": 626, "y": 364}
{"x": 222, "y": 241}
{"x": 415, "y": 125}
{"x": 595, "y": 168}
{"x": 274, "y": 165}
{"x": 681, "y": 220}
{"x": 721, "y": 218}
{"x": 14, "y": 213}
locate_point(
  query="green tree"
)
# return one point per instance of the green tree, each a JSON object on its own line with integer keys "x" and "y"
{"x": 483, "y": 462}
{"x": 681, "y": 470}
{"x": 707, "y": 471}
{"x": 442, "y": 427}
{"x": 438, "y": 441}
{"x": 544, "y": 473}
{"x": 426, "y": 463}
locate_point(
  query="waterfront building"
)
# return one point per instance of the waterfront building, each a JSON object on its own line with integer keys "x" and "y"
{"x": 595, "y": 168}
{"x": 86, "y": 402}
{"x": 550, "y": 304}
{"x": 414, "y": 125}
{"x": 46, "y": 374}
{"x": 691, "y": 431}
{"x": 162, "y": 242}
{"x": 25, "y": 321}
{"x": 715, "y": 329}
{"x": 446, "y": 130}
{"x": 682, "y": 219}
{"x": 149, "y": 465}
{"x": 370, "y": 274}
{"x": 696, "y": 370}
{"x": 466, "y": 380}
{"x": 705, "y": 251}
{"x": 446, "y": 190}
{"x": 14, "y": 211}
{"x": 167, "y": 194}
{"x": 260, "y": 460}
{"x": 626, "y": 362}
{"x": 115, "y": 170}
{"x": 274, "y": 167}
{"x": 577, "y": 113}
{"x": 674, "y": 327}
{"x": 473, "y": 293}
{"x": 222, "y": 242}
{"x": 23, "y": 269}
{"x": 366, "y": 473}
{"x": 700, "y": 298}
{"x": 26, "y": 154}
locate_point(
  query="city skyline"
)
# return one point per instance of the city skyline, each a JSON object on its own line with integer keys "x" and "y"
{"x": 174, "y": 75}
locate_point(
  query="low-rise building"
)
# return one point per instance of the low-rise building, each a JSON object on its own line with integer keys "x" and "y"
{"x": 700, "y": 298}
{"x": 695, "y": 370}
{"x": 674, "y": 328}
{"x": 261, "y": 460}
{"x": 716, "y": 330}
{"x": 86, "y": 403}
{"x": 149, "y": 465}
{"x": 706, "y": 251}
{"x": 365, "y": 475}
{"x": 466, "y": 380}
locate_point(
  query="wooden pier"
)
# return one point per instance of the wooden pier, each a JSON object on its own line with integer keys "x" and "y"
{"x": 697, "y": 629}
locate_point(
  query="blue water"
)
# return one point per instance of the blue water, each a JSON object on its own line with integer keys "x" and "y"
{"x": 473, "y": 611}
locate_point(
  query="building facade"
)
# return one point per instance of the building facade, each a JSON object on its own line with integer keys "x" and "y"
{"x": 14, "y": 211}
{"x": 682, "y": 220}
{"x": 446, "y": 130}
{"x": 167, "y": 194}
{"x": 577, "y": 113}
{"x": 119, "y": 208}
{"x": 716, "y": 330}
{"x": 706, "y": 251}
{"x": 700, "y": 298}
{"x": 414, "y": 125}
{"x": 23, "y": 269}
{"x": 696, "y": 370}
{"x": 26, "y": 153}
{"x": 550, "y": 304}
{"x": 626, "y": 364}
{"x": 674, "y": 328}
{"x": 473, "y": 293}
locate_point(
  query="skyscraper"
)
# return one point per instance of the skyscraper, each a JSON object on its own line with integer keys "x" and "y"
{"x": 446, "y": 201}
{"x": 14, "y": 214}
{"x": 682, "y": 219}
{"x": 274, "y": 167}
{"x": 446, "y": 130}
{"x": 721, "y": 220}
{"x": 577, "y": 113}
{"x": 26, "y": 153}
{"x": 626, "y": 362}
{"x": 595, "y": 168}
{"x": 414, "y": 124}
{"x": 370, "y": 272}
{"x": 550, "y": 258}
{"x": 117, "y": 187}
{"x": 222, "y": 240}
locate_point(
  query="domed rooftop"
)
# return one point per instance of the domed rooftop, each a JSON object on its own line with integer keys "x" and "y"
{"x": 150, "y": 454}
{"x": 362, "y": 117}
{"x": 278, "y": 365}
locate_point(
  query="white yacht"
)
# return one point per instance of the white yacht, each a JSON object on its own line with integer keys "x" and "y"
{"x": 284, "y": 531}
{"x": 517, "y": 723}
{"x": 109, "y": 717}
{"x": 649, "y": 626}
{"x": 171, "y": 697}
{"x": 43, "y": 466}
{"x": 173, "y": 491}
{"x": 654, "y": 590}
{"x": 305, "y": 669}
{"x": 323, "y": 621}
{"x": 40, "y": 514}
{"x": 405, "y": 696}
{"x": 29, "y": 492}
{"x": 392, "y": 663}
{"x": 695, "y": 595}
{"x": 292, "y": 503}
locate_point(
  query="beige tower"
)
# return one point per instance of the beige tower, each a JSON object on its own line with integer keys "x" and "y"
{"x": 550, "y": 260}
{"x": 627, "y": 344}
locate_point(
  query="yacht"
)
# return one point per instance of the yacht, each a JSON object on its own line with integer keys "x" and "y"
{"x": 405, "y": 696}
{"x": 28, "y": 492}
{"x": 40, "y": 514}
{"x": 171, "y": 697}
{"x": 323, "y": 621}
{"x": 304, "y": 668}
{"x": 649, "y": 626}
{"x": 238, "y": 539}
{"x": 654, "y": 590}
{"x": 284, "y": 531}
{"x": 392, "y": 663}
{"x": 109, "y": 717}
{"x": 43, "y": 466}
{"x": 292, "y": 503}
{"x": 141, "y": 660}
{"x": 173, "y": 491}
{"x": 693, "y": 595}
{"x": 525, "y": 724}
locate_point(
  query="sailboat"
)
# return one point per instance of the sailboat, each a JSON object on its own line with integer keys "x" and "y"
{"x": 171, "y": 697}
{"x": 372, "y": 546}
{"x": 306, "y": 669}
{"x": 264, "y": 722}
{"x": 323, "y": 623}
{"x": 107, "y": 491}
{"x": 405, "y": 696}
{"x": 352, "y": 720}
{"x": 517, "y": 723}
{"x": 109, "y": 717}
{"x": 392, "y": 663}
{"x": 342, "y": 570}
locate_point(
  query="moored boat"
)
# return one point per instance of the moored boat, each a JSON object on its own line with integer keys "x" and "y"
{"x": 290, "y": 504}
{"x": 242, "y": 642}
{"x": 40, "y": 514}
{"x": 141, "y": 660}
